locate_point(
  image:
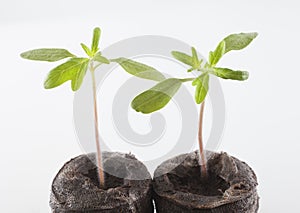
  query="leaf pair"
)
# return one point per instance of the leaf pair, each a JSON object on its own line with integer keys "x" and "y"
{"x": 74, "y": 69}
{"x": 231, "y": 42}
{"x": 201, "y": 84}
{"x": 158, "y": 96}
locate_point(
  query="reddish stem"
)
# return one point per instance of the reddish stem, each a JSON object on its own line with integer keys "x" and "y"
{"x": 99, "y": 153}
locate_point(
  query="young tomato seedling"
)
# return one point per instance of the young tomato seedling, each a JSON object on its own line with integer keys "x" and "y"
{"x": 158, "y": 96}
{"x": 75, "y": 69}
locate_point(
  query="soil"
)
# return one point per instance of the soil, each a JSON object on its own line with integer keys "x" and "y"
{"x": 75, "y": 188}
{"x": 230, "y": 186}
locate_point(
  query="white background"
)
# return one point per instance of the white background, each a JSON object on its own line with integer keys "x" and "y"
{"x": 262, "y": 125}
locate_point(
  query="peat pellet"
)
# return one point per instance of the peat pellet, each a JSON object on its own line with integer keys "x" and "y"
{"x": 230, "y": 186}
{"x": 128, "y": 186}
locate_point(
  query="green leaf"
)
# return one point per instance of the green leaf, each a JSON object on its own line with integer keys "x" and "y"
{"x": 138, "y": 69}
{"x": 47, "y": 54}
{"x": 96, "y": 38}
{"x": 98, "y": 57}
{"x": 86, "y": 49}
{"x": 190, "y": 70}
{"x": 238, "y": 41}
{"x": 216, "y": 55}
{"x": 230, "y": 74}
{"x": 196, "y": 63}
{"x": 201, "y": 83}
{"x": 74, "y": 70}
{"x": 157, "y": 97}
{"x": 184, "y": 58}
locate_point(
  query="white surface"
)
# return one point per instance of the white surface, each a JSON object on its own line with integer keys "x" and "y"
{"x": 262, "y": 125}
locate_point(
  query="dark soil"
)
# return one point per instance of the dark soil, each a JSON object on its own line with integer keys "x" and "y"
{"x": 230, "y": 186}
{"x": 193, "y": 183}
{"x": 111, "y": 181}
{"x": 75, "y": 188}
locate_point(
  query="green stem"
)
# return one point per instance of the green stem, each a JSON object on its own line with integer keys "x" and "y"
{"x": 209, "y": 70}
{"x": 97, "y": 66}
{"x": 99, "y": 153}
{"x": 200, "y": 141}
{"x": 186, "y": 79}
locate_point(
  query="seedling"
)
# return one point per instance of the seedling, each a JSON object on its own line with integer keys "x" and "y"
{"x": 75, "y": 69}
{"x": 159, "y": 96}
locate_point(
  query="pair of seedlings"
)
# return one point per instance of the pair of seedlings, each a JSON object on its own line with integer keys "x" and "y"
{"x": 155, "y": 98}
